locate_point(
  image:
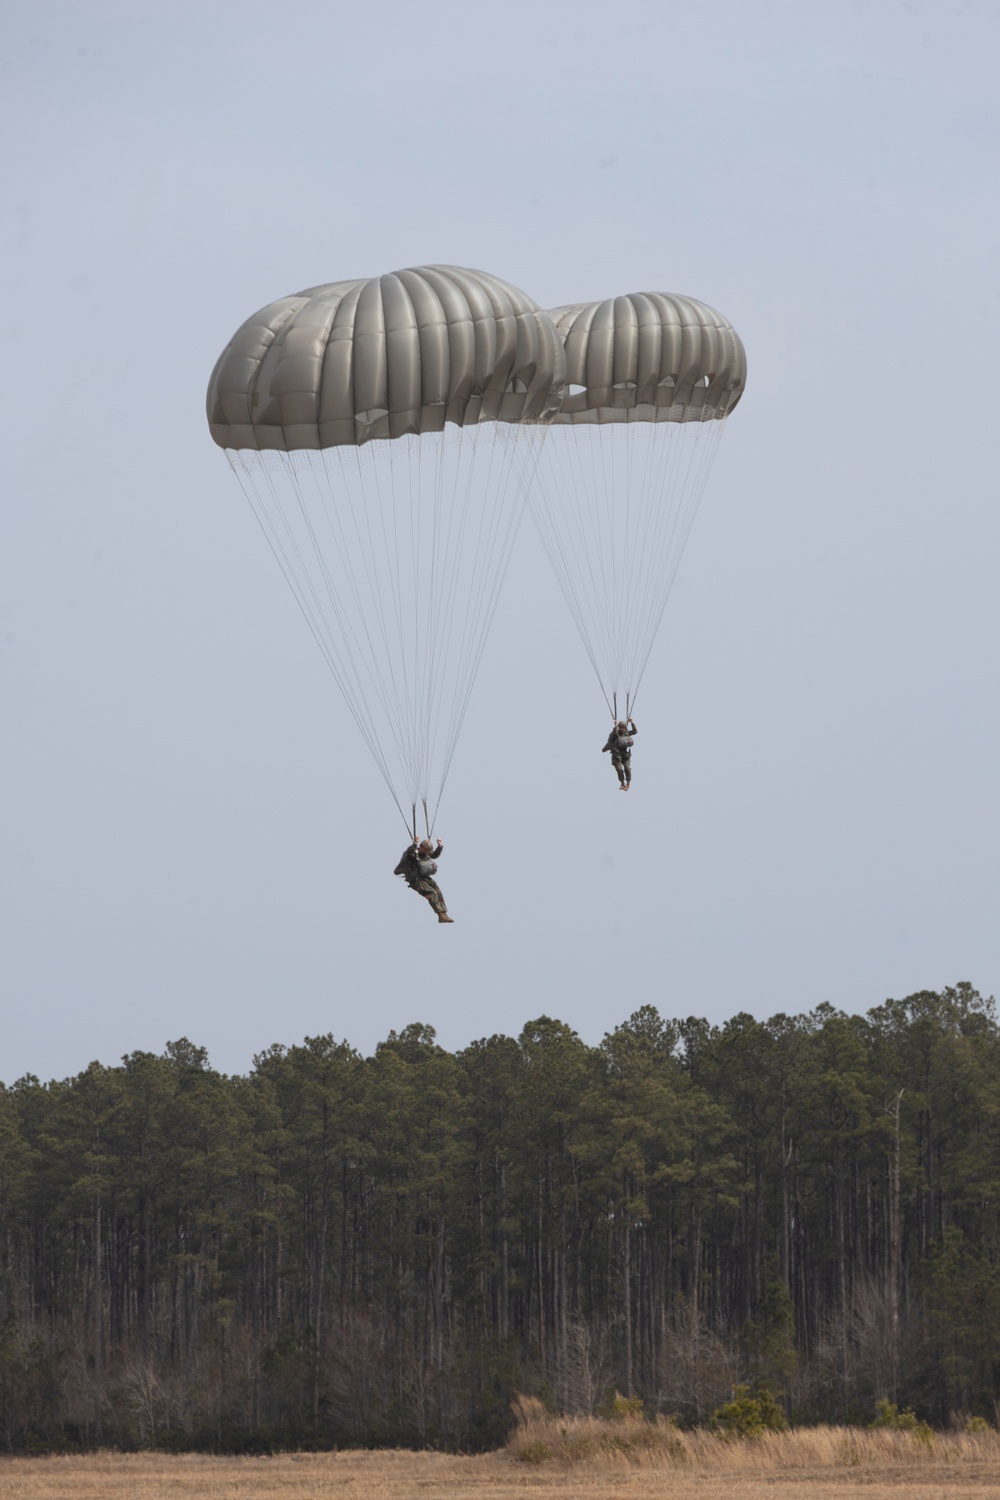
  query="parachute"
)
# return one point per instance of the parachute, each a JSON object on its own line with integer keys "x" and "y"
{"x": 651, "y": 379}
{"x": 384, "y": 431}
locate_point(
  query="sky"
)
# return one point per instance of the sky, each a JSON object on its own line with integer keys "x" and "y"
{"x": 192, "y": 841}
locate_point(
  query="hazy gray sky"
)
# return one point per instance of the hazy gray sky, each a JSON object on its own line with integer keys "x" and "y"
{"x": 190, "y": 840}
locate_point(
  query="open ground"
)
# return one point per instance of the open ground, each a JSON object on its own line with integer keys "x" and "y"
{"x": 579, "y": 1459}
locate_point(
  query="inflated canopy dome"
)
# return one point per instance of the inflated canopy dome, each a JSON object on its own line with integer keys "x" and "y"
{"x": 404, "y": 353}
{"x": 649, "y": 357}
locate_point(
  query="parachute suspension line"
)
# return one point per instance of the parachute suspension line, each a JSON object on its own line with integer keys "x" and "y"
{"x": 383, "y": 508}
{"x": 304, "y": 586}
{"x": 657, "y": 447}
{"x": 495, "y": 532}
{"x": 689, "y": 487}
{"x": 614, "y": 519}
{"x": 418, "y": 519}
{"x": 618, "y": 490}
{"x": 399, "y": 543}
{"x": 379, "y": 553}
{"x": 662, "y": 443}
{"x": 284, "y": 542}
{"x": 395, "y": 552}
{"x": 611, "y": 603}
{"x": 424, "y": 533}
{"x": 520, "y": 444}
{"x": 584, "y": 565}
{"x": 375, "y": 541}
{"x": 421, "y": 592}
{"x": 451, "y": 505}
{"x": 414, "y": 542}
{"x": 629, "y": 561}
{"x": 330, "y": 512}
{"x": 440, "y": 538}
{"x": 445, "y": 599}
{"x": 332, "y": 500}
{"x": 669, "y": 501}
{"x": 646, "y": 501}
{"x": 459, "y": 576}
{"x": 445, "y": 546}
{"x": 283, "y": 545}
{"x": 567, "y": 518}
{"x": 472, "y": 626}
{"x": 598, "y": 484}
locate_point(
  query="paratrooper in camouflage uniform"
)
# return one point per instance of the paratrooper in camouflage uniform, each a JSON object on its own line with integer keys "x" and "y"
{"x": 418, "y": 868}
{"x": 620, "y": 744}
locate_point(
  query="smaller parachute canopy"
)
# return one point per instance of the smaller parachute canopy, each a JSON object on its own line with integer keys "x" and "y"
{"x": 406, "y": 353}
{"x": 649, "y": 357}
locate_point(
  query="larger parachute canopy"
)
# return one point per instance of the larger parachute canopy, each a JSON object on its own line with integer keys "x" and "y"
{"x": 384, "y": 431}
{"x": 649, "y": 357}
{"x": 342, "y": 364}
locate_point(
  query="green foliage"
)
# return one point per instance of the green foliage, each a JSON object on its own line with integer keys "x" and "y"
{"x": 889, "y": 1418}
{"x": 344, "y": 1249}
{"x": 749, "y": 1414}
{"x": 621, "y": 1408}
{"x": 961, "y": 1289}
{"x": 769, "y": 1339}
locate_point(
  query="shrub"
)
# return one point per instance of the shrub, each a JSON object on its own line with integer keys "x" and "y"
{"x": 534, "y": 1453}
{"x": 889, "y": 1418}
{"x": 623, "y": 1408}
{"x": 749, "y": 1413}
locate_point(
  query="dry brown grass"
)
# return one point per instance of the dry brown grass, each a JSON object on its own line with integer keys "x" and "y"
{"x": 541, "y": 1438}
{"x": 556, "y": 1458}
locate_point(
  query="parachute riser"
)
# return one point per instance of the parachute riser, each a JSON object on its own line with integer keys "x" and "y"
{"x": 412, "y": 825}
{"x": 629, "y": 706}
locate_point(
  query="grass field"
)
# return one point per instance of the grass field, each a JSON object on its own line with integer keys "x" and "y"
{"x": 553, "y": 1458}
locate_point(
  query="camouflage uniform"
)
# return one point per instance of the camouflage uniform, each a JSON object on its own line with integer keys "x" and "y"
{"x": 620, "y": 744}
{"x": 418, "y": 870}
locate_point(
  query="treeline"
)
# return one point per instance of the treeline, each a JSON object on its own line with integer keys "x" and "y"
{"x": 338, "y": 1249}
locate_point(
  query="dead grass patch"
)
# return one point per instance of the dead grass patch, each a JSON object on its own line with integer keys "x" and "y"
{"x": 554, "y": 1458}
{"x": 810, "y": 1458}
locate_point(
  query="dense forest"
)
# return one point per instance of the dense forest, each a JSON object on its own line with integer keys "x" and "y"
{"x": 341, "y": 1249}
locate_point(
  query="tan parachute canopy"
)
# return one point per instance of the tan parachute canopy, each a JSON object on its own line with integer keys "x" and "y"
{"x": 353, "y": 361}
{"x": 650, "y": 379}
{"x": 383, "y": 431}
{"x": 649, "y": 357}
